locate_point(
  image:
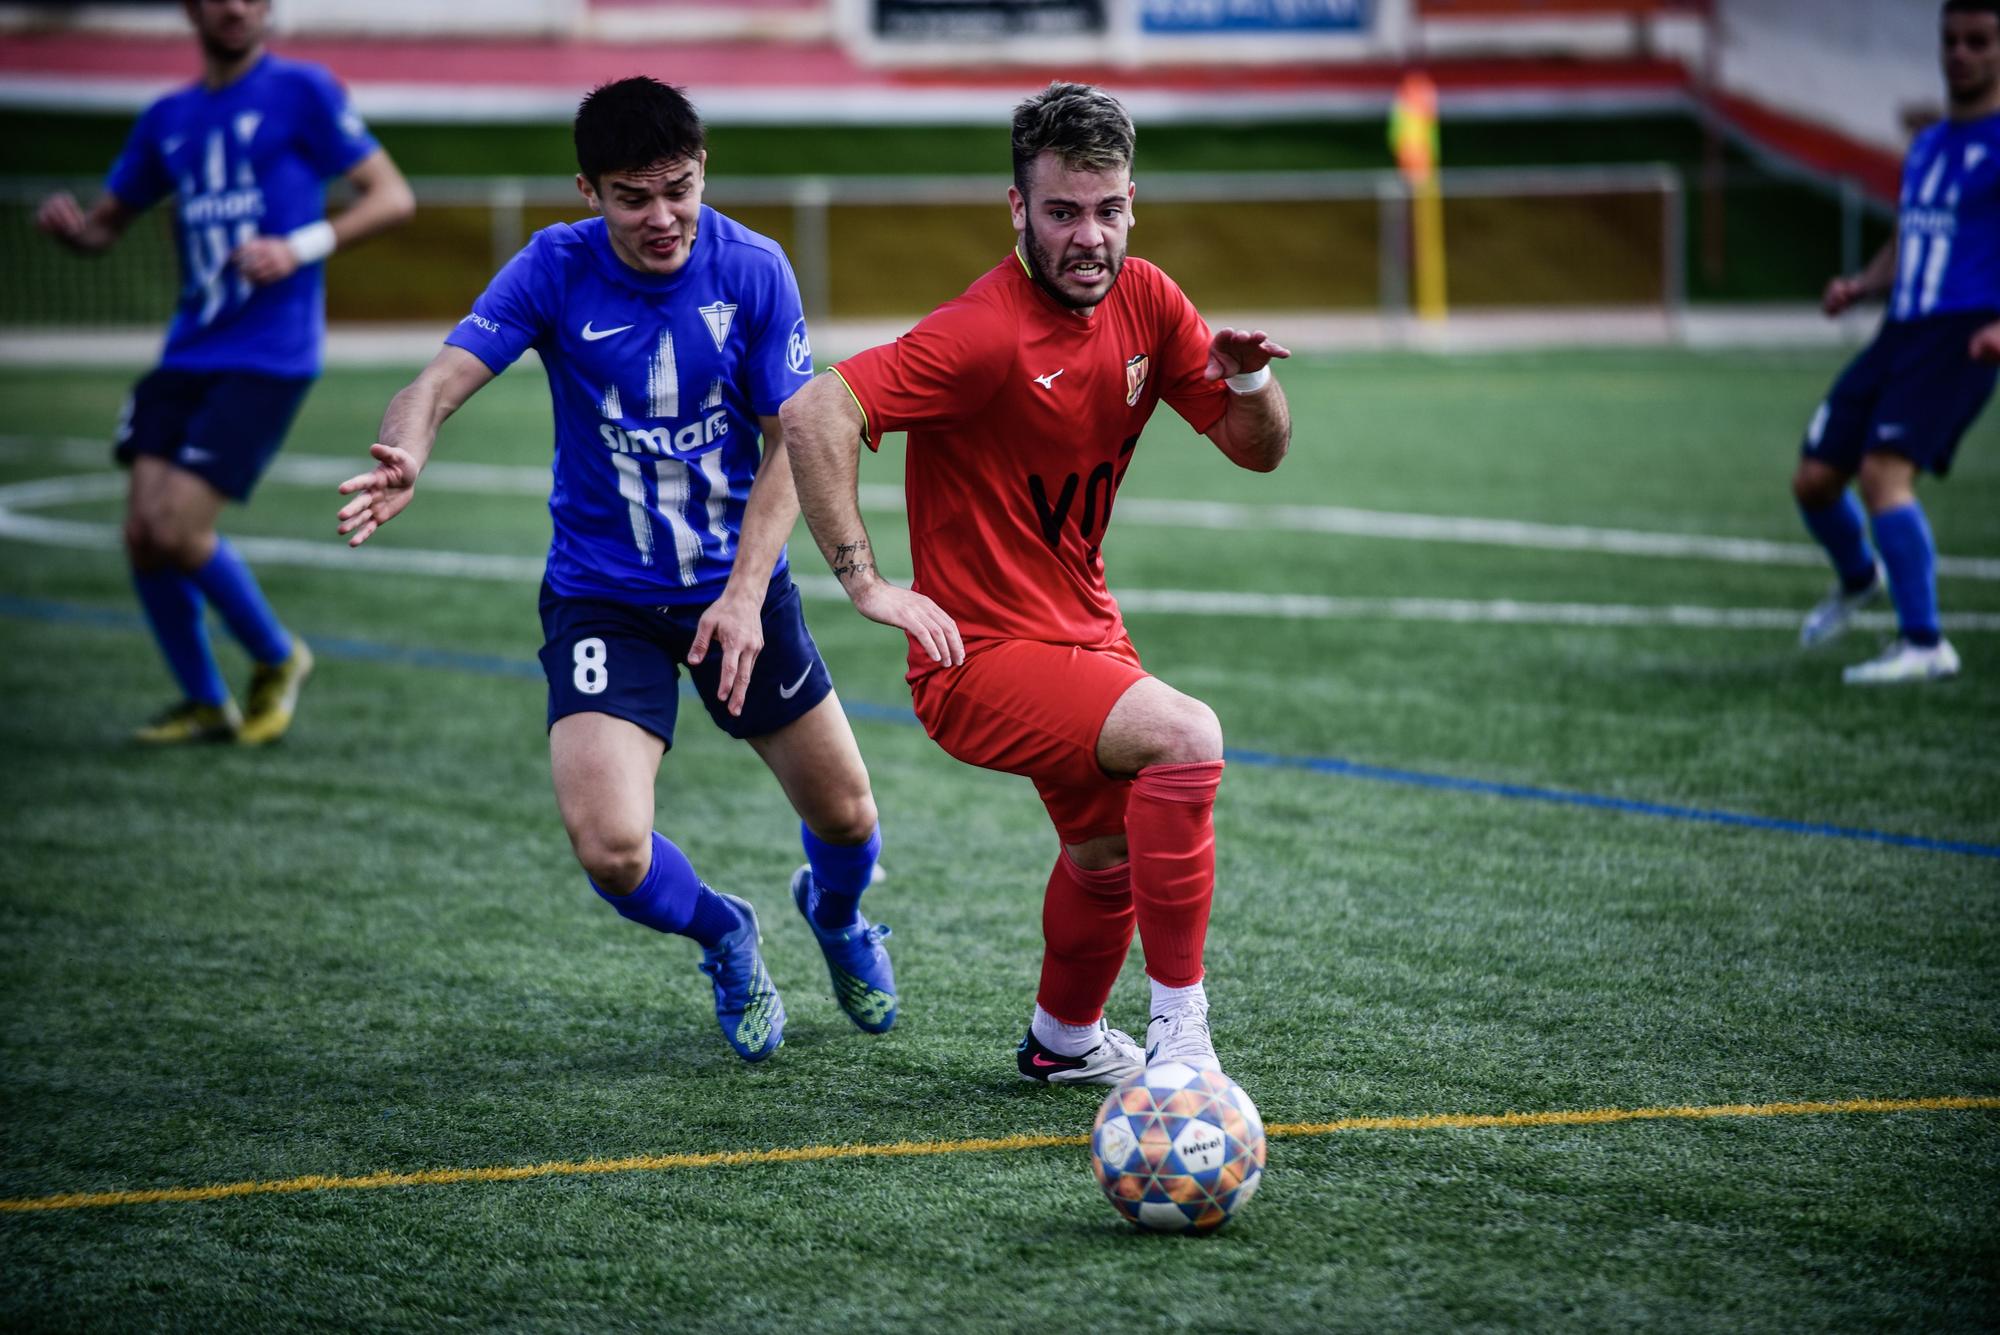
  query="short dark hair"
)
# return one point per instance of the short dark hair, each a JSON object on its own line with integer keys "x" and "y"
{"x": 1084, "y": 126}
{"x": 633, "y": 123}
{"x": 1973, "y": 7}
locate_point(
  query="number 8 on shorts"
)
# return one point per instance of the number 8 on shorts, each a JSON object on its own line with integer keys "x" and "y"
{"x": 591, "y": 675}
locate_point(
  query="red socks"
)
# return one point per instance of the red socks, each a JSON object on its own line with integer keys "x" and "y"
{"x": 1087, "y": 923}
{"x": 1165, "y": 890}
{"x": 1170, "y": 829}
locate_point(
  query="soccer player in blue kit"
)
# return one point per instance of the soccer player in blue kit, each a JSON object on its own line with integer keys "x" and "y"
{"x": 671, "y": 336}
{"x": 1904, "y": 403}
{"x": 246, "y": 153}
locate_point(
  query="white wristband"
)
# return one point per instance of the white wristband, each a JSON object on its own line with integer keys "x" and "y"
{"x": 312, "y": 243}
{"x": 1250, "y": 382}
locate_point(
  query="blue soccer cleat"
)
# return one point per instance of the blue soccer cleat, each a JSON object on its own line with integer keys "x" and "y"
{"x": 746, "y": 1001}
{"x": 856, "y": 960}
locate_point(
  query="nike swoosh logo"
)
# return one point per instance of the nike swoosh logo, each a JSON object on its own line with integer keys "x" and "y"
{"x": 787, "y": 692}
{"x": 1048, "y": 381}
{"x": 1039, "y": 1060}
{"x": 592, "y": 335}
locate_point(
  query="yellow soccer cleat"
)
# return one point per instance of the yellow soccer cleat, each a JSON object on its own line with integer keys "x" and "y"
{"x": 274, "y": 696}
{"x": 190, "y": 722}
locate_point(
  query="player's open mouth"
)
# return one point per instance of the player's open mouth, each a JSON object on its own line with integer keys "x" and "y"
{"x": 665, "y": 245}
{"x": 1088, "y": 272}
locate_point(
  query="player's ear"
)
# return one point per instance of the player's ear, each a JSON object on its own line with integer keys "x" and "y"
{"x": 589, "y": 193}
{"x": 1017, "y": 203}
{"x": 1131, "y": 205}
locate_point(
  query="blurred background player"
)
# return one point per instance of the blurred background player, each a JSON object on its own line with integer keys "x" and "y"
{"x": 671, "y": 336}
{"x": 1024, "y": 399}
{"x": 1905, "y": 402}
{"x": 246, "y": 152}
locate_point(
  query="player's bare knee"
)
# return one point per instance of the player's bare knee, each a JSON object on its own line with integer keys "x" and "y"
{"x": 1886, "y": 483}
{"x": 1815, "y": 486}
{"x": 144, "y": 554}
{"x": 845, "y": 821}
{"x": 1193, "y": 736}
{"x": 615, "y": 860}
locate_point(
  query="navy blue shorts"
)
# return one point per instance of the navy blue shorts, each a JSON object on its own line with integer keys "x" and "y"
{"x": 222, "y": 426}
{"x": 1913, "y": 392}
{"x": 623, "y": 659}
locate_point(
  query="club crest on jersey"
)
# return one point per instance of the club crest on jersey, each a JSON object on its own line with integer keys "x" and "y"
{"x": 1135, "y": 378}
{"x": 718, "y": 315}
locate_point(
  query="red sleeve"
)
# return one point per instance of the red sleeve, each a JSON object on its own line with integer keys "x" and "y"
{"x": 1184, "y": 357}
{"x": 943, "y": 371}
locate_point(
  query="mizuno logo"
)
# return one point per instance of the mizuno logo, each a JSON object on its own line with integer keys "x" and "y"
{"x": 592, "y": 335}
{"x": 1890, "y": 431}
{"x": 787, "y": 692}
{"x": 1049, "y": 381}
{"x": 194, "y": 454}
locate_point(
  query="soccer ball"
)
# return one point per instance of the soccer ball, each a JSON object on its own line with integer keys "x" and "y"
{"x": 1178, "y": 1150}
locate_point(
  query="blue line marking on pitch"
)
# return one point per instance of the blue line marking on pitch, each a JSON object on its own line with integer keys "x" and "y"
{"x": 520, "y": 669}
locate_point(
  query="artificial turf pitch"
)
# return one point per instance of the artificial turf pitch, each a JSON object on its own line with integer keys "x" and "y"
{"x": 367, "y": 950}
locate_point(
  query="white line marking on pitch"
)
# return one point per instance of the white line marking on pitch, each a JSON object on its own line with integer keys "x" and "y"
{"x": 528, "y": 569}
{"x": 1335, "y": 520}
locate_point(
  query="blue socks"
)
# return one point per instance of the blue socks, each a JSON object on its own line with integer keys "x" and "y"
{"x": 673, "y": 899}
{"x": 1911, "y": 557}
{"x": 174, "y": 603}
{"x": 233, "y": 589}
{"x": 840, "y": 873}
{"x": 174, "y": 610}
{"x": 1838, "y": 528}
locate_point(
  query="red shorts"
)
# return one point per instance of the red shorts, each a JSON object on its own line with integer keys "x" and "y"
{"x": 1024, "y": 707}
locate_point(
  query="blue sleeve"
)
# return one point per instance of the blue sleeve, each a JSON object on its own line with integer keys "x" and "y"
{"x": 140, "y": 179}
{"x": 780, "y": 354}
{"x": 331, "y": 134}
{"x": 513, "y": 312}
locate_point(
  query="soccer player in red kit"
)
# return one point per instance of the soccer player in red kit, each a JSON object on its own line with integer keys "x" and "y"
{"x": 1023, "y": 400}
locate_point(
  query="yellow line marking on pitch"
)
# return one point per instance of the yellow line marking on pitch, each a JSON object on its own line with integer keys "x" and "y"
{"x": 436, "y": 1177}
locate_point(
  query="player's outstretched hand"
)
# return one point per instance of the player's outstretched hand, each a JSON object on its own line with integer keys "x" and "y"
{"x": 379, "y": 494}
{"x": 60, "y": 216}
{"x": 735, "y": 625}
{"x": 916, "y": 616}
{"x": 1841, "y": 293}
{"x": 265, "y": 260}
{"x": 1240, "y": 352}
{"x": 1986, "y": 344}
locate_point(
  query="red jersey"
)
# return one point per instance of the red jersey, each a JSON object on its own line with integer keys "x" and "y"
{"x": 1022, "y": 417}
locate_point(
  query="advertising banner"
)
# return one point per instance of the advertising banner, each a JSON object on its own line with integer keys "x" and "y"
{"x": 1255, "y": 18}
{"x": 957, "y": 20}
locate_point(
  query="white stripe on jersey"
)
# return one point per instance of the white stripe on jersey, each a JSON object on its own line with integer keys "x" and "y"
{"x": 718, "y": 498}
{"x": 1934, "y": 274}
{"x": 632, "y": 486}
{"x": 663, "y": 381}
{"x": 675, "y": 487}
{"x": 1907, "y": 265}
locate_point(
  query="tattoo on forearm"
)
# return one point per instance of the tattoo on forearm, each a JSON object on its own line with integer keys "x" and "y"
{"x": 851, "y": 558}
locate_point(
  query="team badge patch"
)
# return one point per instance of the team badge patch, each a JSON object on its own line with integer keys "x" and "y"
{"x": 1135, "y": 378}
{"x": 718, "y": 316}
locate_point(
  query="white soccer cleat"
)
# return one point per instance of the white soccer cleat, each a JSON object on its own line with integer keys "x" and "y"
{"x": 1829, "y": 619}
{"x": 1115, "y": 1059}
{"x": 1902, "y": 662}
{"x": 1181, "y": 1037}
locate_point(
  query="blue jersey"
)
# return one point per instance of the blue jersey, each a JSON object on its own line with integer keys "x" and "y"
{"x": 1948, "y": 229}
{"x": 658, "y": 382}
{"x": 248, "y": 159}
